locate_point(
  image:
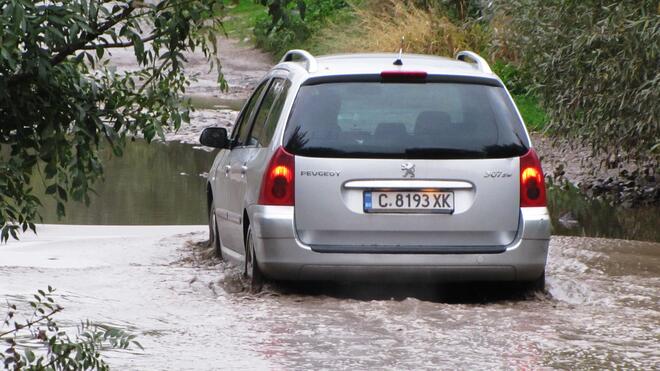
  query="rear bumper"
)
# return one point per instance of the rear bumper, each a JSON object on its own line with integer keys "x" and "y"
{"x": 282, "y": 256}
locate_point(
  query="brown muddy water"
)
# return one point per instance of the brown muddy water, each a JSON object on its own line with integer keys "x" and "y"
{"x": 164, "y": 184}
{"x": 151, "y": 184}
{"x": 191, "y": 312}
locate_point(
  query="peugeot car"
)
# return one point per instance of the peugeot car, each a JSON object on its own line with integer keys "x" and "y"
{"x": 379, "y": 167}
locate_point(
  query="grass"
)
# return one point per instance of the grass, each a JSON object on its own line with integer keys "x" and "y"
{"x": 380, "y": 26}
{"x": 534, "y": 116}
{"x": 313, "y": 34}
{"x": 241, "y": 17}
{"x": 327, "y": 40}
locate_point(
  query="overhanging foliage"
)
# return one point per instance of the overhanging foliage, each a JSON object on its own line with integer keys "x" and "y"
{"x": 60, "y": 99}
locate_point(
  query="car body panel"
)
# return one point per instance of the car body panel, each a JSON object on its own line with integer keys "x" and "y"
{"x": 281, "y": 254}
{"x": 329, "y": 213}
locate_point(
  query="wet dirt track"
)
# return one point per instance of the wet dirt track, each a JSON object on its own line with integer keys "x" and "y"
{"x": 192, "y": 312}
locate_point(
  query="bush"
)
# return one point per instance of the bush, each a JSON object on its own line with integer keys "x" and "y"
{"x": 289, "y": 23}
{"x": 595, "y": 65}
{"x": 513, "y": 77}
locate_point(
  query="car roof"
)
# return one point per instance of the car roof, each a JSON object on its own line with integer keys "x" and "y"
{"x": 374, "y": 63}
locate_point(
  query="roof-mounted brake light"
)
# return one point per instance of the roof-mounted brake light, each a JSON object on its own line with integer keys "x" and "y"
{"x": 403, "y": 76}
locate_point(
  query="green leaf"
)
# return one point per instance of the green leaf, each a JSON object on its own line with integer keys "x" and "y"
{"x": 51, "y": 189}
{"x": 139, "y": 47}
{"x": 50, "y": 170}
{"x": 60, "y": 210}
{"x": 29, "y": 355}
{"x": 62, "y": 193}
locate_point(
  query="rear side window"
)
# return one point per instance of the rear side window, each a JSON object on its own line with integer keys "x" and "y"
{"x": 242, "y": 128}
{"x": 404, "y": 120}
{"x": 269, "y": 111}
{"x": 282, "y": 89}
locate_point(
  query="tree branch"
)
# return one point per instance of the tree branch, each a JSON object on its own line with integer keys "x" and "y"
{"x": 120, "y": 44}
{"x": 33, "y": 322}
{"x": 88, "y": 37}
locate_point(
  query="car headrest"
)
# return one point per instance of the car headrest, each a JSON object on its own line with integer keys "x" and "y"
{"x": 390, "y": 129}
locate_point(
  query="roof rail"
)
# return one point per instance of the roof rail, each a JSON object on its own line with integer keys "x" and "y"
{"x": 482, "y": 65}
{"x": 301, "y": 54}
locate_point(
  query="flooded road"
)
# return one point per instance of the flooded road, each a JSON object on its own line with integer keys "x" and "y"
{"x": 602, "y": 308}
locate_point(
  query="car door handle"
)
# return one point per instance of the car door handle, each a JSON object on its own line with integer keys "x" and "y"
{"x": 227, "y": 169}
{"x": 243, "y": 170}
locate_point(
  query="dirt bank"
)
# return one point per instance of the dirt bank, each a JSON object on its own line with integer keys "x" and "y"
{"x": 605, "y": 176}
{"x": 191, "y": 312}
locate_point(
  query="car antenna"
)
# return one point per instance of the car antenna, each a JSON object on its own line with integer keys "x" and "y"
{"x": 399, "y": 61}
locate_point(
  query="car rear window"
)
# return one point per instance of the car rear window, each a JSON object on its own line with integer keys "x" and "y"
{"x": 404, "y": 120}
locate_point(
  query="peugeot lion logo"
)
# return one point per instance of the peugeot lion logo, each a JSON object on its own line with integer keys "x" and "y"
{"x": 408, "y": 169}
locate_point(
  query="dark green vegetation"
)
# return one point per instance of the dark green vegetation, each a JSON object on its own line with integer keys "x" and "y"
{"x": 528, "y": 105}
{"x": 519, "y": 84}
{"x": 59, "y": 98}
{"x": 57, "y": 350}
{"x": 596, "y": 65}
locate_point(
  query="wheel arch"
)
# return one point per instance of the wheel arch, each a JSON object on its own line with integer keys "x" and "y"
{"x": 246, "y": 225}
{"x": 209, "y": 196}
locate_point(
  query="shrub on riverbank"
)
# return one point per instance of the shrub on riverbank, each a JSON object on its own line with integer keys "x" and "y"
{"x": 595, "y": 65}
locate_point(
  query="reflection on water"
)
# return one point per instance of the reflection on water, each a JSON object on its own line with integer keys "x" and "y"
{"x": 214, "y": 103}
{"x": 575, "y": 215}
{"x": 161, "y": 184}
{"x": 156, "y": 183}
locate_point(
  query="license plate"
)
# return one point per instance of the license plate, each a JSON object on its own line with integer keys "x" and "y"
{"x": 409, "y": 202}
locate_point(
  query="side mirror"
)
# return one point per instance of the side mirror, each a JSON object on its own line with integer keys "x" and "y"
{"x": 214, "y": 137}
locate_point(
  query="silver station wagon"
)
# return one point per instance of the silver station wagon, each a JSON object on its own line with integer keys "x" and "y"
{"x": 379, "y": 167}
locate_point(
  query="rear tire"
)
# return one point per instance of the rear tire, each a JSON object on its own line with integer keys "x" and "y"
{"x": 538, "y": 285}
{"x": 214, "y": 237}
{"x": 252, "y": 271}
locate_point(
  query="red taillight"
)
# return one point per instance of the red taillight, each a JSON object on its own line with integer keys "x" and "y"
{"x": 277, "y": 187}
{"x": 532, "y": 185}
{"x": 403, "y": 76}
